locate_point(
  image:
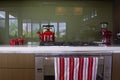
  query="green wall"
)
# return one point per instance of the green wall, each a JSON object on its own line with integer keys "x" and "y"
{"x": 77, "y": 29}
{"x": 2, "y": 36}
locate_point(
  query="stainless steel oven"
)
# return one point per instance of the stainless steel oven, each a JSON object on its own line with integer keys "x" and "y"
{"x": 44, "y": 64}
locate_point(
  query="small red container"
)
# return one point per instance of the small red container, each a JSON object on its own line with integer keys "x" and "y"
{"x": 12, "y": 42}
{"x": 20, "y": 41}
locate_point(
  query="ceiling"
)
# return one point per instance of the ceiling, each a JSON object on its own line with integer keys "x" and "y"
{"x": 57, "y": 0}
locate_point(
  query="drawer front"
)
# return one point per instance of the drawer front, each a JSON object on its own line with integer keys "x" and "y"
{"x": 20, "y": 61}
{"x": 3, "y": 60}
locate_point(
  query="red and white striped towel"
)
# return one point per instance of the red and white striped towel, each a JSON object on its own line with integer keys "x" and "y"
{"x": 76, "y": 68}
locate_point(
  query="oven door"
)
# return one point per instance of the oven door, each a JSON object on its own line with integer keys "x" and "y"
{"x": 45, "y": 69}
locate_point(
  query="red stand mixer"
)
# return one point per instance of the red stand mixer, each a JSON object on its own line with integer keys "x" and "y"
{"x": 106, "y": 34}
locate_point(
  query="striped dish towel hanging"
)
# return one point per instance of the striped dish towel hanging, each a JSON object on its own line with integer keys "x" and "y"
{"x": 83, "y": 68}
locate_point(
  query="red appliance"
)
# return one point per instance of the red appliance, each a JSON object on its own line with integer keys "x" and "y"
{"x": 12, "y": 42}
{"x": 48, "y": 34}
{"x": 18, "y": 41}
{"x": 106, "y": 34}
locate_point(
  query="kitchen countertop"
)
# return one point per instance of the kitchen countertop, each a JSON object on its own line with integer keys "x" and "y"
{"x": 60, "y": 50}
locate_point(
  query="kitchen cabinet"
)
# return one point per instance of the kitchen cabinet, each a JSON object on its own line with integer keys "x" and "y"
{"x": 17, "y": 67}
{"x": 21, "y": 74}
{"x": 3, "y": 60}
{"x": 115, "y": 67}
{"x": 22, "y": 61}
{"x": 4, "y": 74}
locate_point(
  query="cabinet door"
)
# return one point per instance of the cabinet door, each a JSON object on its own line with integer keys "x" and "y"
{"x": 20, "y": 61}
{"x": 4, "y": 74}
{"x": 21, "y": 74}
{"x": 3, "y": 60}
{"x": 115, "y": 67}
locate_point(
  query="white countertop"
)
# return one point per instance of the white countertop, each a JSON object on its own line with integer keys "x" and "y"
{"x": 59, "y": 49}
